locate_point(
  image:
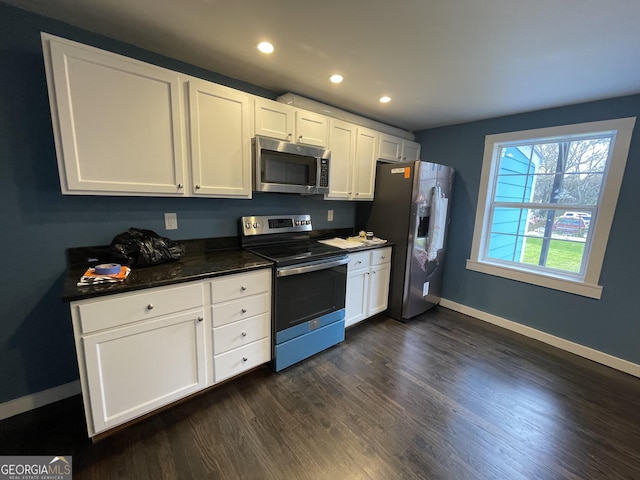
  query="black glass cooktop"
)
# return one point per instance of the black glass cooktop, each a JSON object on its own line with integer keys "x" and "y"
{"x": 296, "y": 252}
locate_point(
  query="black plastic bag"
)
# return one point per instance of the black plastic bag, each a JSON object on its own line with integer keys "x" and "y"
{"x": 142, "y": 248}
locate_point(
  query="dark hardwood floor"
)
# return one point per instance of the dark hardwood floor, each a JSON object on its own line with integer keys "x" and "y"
{"x": 443, "y": 396}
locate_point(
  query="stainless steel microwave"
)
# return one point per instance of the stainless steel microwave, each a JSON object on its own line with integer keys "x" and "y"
{"x": 289, "y": 168}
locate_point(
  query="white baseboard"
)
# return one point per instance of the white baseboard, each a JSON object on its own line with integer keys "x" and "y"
{"x": 561, "y": 343}
{"x": 39, "y": 399}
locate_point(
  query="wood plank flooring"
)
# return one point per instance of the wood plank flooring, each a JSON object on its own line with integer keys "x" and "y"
{"x": 443, "y": 396}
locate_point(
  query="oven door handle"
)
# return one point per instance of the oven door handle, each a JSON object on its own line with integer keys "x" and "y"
{"x": 310, "y": 267}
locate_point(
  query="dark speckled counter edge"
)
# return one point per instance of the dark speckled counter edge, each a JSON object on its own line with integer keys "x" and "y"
{"x": 193, "y": 266}
{"x": 204, "y": 258}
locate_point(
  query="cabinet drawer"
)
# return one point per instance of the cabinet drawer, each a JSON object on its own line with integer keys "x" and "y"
{"x": 358, "y": 260}
{"x": 241, "y": 359}
{"x": 127, "y": 308}
{"x": 240, "y": 285}
{"x": 224, "y": 313}
{"x": 380, "y": 256}
{"x": 241, "y": 333}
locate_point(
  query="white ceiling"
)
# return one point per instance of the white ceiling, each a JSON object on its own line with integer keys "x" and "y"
{"x": 442, "y": 61}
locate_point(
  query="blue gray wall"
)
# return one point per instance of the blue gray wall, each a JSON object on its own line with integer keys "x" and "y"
{"x": 39, "y": 223}
{"x": 610, "y": 324}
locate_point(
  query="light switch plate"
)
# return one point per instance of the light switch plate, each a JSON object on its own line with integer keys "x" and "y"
{"x": 329, "y": 215}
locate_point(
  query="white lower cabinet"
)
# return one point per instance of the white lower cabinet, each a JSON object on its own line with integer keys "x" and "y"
{"x": 368, "y": 275}
{"x": 241, "y": 318}
{"x": 142, "y": 350}
{"x": 139, "y": 351}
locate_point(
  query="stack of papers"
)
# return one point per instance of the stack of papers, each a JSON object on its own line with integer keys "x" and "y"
{"x": 352, "y": 242}
{"x": 90, "y": 277}
{"x": 373, "y": 241}
{"x": 341, "y": 243}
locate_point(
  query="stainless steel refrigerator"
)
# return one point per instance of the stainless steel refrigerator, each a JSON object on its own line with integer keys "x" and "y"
{"x": 411, "y": 209}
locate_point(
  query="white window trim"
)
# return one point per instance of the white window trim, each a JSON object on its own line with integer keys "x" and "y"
{"x": 589, "y": 287}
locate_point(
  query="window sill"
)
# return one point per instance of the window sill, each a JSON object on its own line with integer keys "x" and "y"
{"x": 555, "y": 283}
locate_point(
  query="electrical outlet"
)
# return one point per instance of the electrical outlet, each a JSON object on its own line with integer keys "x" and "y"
{"x": 171, "y": 221}
{"x": 329, "y": 215}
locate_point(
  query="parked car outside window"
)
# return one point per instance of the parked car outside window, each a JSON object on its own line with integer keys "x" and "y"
{"x": 583, "y": 215}
{"x": 570, "y": 225}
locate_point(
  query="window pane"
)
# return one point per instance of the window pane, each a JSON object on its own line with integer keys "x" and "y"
{"x": 563, "y": 255}
{"x": 552, "y": 238}
{"x": 569, "y": 173}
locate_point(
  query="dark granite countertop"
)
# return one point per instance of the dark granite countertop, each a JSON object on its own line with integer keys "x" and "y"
{"x": 204, "y": 258}
{"x": 198, "y": 263}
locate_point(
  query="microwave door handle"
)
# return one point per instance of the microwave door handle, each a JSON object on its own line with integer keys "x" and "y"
{"x": 312, "y": 267}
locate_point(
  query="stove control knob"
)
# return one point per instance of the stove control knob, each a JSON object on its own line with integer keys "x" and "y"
{"x": 255, "y": 225}
{"x": 247, "y": 225}
{"x": 308, "y": 222}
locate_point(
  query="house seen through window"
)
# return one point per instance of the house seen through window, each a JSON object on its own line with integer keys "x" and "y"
{"x": 546, "y": 203}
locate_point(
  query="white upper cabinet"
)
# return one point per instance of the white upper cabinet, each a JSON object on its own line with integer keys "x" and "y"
{"x": 353, "y": 162}
{"x": 396, "y": 149}
{"x": 410, "y": 151}
{"x": 311, "y": 128}
{"x": 274, "y": 119}
{"x": 284, "y": 122}
{"x": 120, "y": 127}
{"x": 220, "y": 134}
{"x": 342, "y": 143}
{"x": 364, "y": 168}
{"x": 117, "y": 122}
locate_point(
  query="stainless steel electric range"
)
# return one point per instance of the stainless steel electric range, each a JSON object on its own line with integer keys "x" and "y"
{"x": 309, "y": 285}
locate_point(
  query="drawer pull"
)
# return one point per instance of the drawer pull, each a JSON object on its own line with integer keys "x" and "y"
{"x": 383, "y": 257}
{"x": 244, "y": 334}
{"x": 358, "y": 262}
{"x": 244, "y": 310}
{"x": 200, "y": 319}
{"x": 243, "y": 288}
{"x": 244, "y": 359}
{"x": 150, "y": 306}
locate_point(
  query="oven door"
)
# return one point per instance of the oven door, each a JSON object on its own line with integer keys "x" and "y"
{"x": 310, "y": 290}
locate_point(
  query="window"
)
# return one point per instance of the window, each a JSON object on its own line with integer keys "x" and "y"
{"x": 546, "y": 204}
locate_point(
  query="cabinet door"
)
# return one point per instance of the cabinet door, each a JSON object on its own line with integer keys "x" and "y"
{"x": 220, "y": 130}
{"x": 390, "y": 148}
{"x": 133, "y": 370}
{"x": 342, "y": 143}
{"x": 379, "y": 288}
{"x": 365, "y": 164}
{"x": 274, "y": 119}
{"x": 311, "y": 128}
{"x": 117, "y": 122}
{"x": 410, "y": 151}
{"x": 356, "y": 298}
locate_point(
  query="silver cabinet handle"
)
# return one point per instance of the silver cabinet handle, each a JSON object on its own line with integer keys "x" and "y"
{"x": 150, "y": 306}
{"x": 243, "y": 288}
{"x": 197, "y": 187}
{"x": 244, "y": 334}
{"x": 244, "y": 310}
{"x": 200, "y": 319}
{"x": 383, "y": 257}
{"x": 244, "y": 359}
{"x": 179, "y": 185}
{"x": 358, "y": 262}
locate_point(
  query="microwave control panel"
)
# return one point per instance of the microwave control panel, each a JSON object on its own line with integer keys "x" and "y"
{"x": 324, "y": 173}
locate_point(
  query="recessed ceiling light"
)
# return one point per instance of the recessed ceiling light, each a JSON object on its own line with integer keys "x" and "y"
{"x": 336, "y": 78}
{"x": 385, "y": 99}
{"x": 265, "y": 47}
